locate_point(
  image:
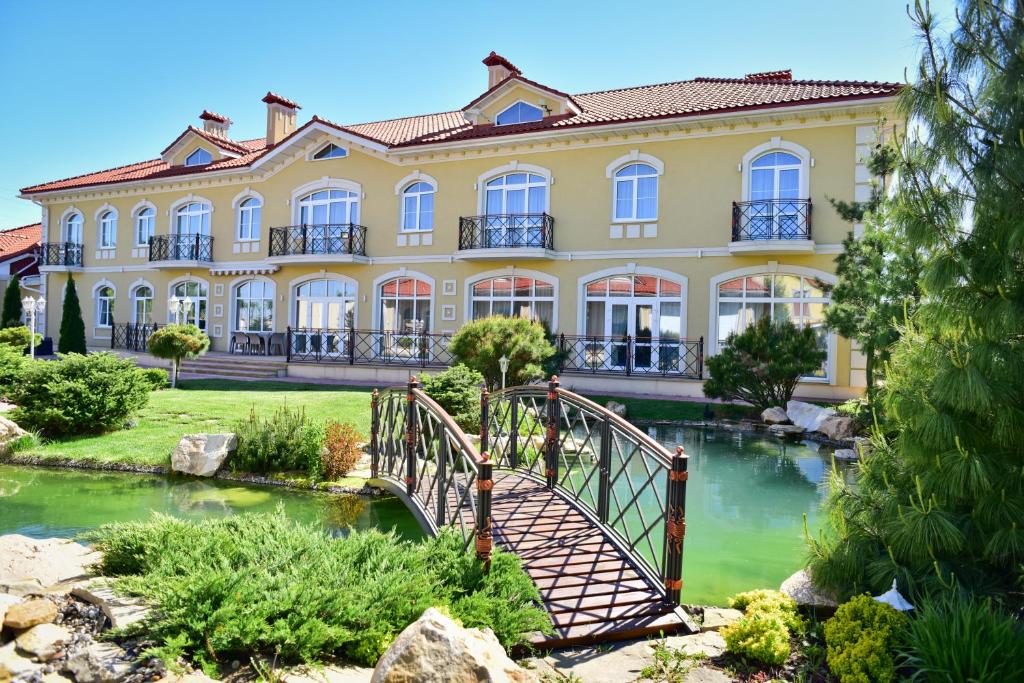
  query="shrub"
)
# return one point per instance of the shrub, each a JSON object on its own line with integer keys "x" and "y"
{"x": 286, "y": 441}
{"x": 12, "y": 311}
{"x": 762, "y": 637}
{"x": 457, "y": 390}
{"x": 13, "y": 365}
{"x": 156, "y": 378}
{"x": 861, "y": 639}
{"x": 78, "y": 394}
{"x": 772, "y": 602}
{"x": 260, "y": 583}
{"x": 17, "y": 338}
{"x": 763, "y": 364}
{"x": 175, "y": 342}
{"x": 341, "y": 449}
{"x": 72, "y": 327}
{"x": 480, "y": 344}
{"x": 963, "y": 639}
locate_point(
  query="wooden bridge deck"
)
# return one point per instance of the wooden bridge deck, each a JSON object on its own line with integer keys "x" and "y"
{"x": 593, "y": 591}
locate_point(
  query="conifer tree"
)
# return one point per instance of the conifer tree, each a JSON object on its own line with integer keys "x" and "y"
{"x": 940, "y": 503}
{"x": 10, "y": 315}
{"x": 72, "y": 328}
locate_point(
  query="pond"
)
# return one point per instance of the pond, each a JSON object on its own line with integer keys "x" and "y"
{"x": 746, "y": 501}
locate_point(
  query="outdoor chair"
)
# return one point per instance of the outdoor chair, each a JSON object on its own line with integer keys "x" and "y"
{"x": 239, "y": 340}
{"x": 256, "y": 343}
{"x": 275, "y": 347}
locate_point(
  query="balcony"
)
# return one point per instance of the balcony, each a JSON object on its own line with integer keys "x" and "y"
{"x": 639, "y": 356}
{"x": 780, "y": 226}
{"x": 61, "y": 255}
{"x": 324, "y": 242}
{"x": 177, "y": 250}
{"x": 518, "y": 235}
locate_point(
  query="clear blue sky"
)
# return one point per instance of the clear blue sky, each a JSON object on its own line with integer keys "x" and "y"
{"x": 94, "y": 84}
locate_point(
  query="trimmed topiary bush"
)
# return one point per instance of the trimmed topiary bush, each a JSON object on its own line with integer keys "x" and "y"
{"x": 78, "y": 394}
{"x": 155, "y": 377}
{"x": 457, "y": 390}
{"x": 861, "y": 641}
{"x": 762, "y": 637}
{"x": 480, "y": 344}
{"x": 771, "y": 602}
{"x": 12, "y": 311}
{"x": 17, "y": 338}
{"x": 72, "y": 327}
{"x": 13, "y": 364}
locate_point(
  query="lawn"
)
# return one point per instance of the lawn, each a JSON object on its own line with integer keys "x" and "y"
{"x": 209, "y": 406}
{"x": 675, "y": 411}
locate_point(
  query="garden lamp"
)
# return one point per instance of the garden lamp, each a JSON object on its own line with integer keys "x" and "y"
{"x": 503, "y": 364}
{"x": 893, "y": 598}
{"x": 173, "y": 307}
{"x": 33, "y": 306}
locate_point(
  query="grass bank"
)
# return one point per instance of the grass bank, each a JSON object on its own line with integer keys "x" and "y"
{"x": 659, "y": 409}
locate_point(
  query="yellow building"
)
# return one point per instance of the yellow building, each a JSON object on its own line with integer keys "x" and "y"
{"x": 641, "y": 224}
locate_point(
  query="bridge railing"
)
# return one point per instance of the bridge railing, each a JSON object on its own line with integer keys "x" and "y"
{"x": 419, "y": 451}
{"x": 628, "y": 482}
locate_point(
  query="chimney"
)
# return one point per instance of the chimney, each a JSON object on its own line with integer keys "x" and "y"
{"x": 280, "y": 117}
{"x": 498, "y": 69}
{"x": 215, "y": 124}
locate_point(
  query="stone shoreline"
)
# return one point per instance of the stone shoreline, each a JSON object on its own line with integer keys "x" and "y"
{"x": 742, "y": 426}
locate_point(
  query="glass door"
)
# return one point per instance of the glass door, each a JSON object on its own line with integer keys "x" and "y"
{"x": 774, "y": 185}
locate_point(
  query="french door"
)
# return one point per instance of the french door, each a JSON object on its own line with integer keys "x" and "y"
{"x": 323, "y": 324}
{"x": 774, "y": 189}
{"x": 515, "y": 204}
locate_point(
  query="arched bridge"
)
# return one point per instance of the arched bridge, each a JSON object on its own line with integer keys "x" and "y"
{"x": 593, "y": 506}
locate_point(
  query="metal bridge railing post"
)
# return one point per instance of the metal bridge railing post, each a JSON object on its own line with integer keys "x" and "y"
{"x": 551, "y": 439}
{"x": 442, "y": 478}
{"x": 484, "y": 485}
{"x": 604, "y": 472}
{"x": 374, "y": 428}
{"x": 675, "y": 527}
{"x": 410, "y": 436}
{"x": 485, "y": 398}
{"x": 513, "y": 433}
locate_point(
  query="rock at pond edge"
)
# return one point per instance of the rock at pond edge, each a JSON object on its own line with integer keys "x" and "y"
{"x": 202, "y": 454}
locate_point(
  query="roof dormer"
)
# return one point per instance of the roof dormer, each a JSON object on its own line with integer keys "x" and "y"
{"x": 512, "y": 98}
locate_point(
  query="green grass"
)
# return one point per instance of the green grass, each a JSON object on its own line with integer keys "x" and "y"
{"x": 207, "y": 406}
{"x": 664, "y": 409}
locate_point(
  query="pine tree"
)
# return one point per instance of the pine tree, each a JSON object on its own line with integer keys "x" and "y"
{"x": 11, "y": 313}
{"x": 72, "y": 328}
{"x": 940, "y": 503}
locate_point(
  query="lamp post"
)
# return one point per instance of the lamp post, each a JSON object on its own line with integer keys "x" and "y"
{"x": 503, "y": 364}
{"x": 179, "y": 308}
{"x": 33, "y": 306}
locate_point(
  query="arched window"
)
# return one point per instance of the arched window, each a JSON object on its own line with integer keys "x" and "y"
{"x": 249, "y": 219}
{"x": 192, "y": 219}
{"x": 515, "y": 205}
{"x": 197, "y": 297}
{"x": 325, "y": 304}
{"x": 775, "y": 209}
{"x": 145, "y": 226}
{"x": 775, "y": 175}
{"x": 73, "y": 228}
{"x": 105, "y": 306}
{"x": 516, "y": 297}
{"x": 326, "y": 217}
{"x": 142, "y": 304}
{"x": 198, "y": 158}
{"x": 636, "y": 193}
{"x": 254, "y": 306}
{"x": 520, "y": 112}
{"x": 634, "y": 320}
{"x": 418, "y": 207}
{"x": 405, "y": 305}
{"x": 108, "y": 230}
{"x": 779, "y": 296}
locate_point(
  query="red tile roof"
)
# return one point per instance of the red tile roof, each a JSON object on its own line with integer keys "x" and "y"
{"x": 222, "y": 143}
{"x": 643, "y": 103}
{"x": 17, "y": 241}
{"x": 274, "y": 98}
{"x": 494, "y": 59}
{"x": 208, "y": 115}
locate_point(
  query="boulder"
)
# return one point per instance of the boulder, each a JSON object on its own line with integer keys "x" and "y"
{"x": 202, "y": 454}
{"x": 839, "y": 428}
{"x": 13, "y": 664}
{"x": 786, "y": 430}
{"x": 616, "y": 407}
{"x": 5, "y": 602}
{"x": 807, "y": 415}
{"x": 122, "y": 611}
{"x": 862, "y": 445}
{"x": 708, "y": 644}
{"x": 799, "y": 587}
{"x": 844, "y": 454}
{"x": 30, "y": 565}
{"x": 44, "y": 642}
{"x": 717, "y": 617}
{"x": 9, "y": 431}
{"x": 774, "y": 416}
{"x": 98, "y": 663}
{"x": 434, "y": 649}
{"x": 29, "y": 613}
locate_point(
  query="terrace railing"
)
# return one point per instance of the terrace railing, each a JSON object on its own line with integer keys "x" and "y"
{"x": 771, "y": 219}
{"x": 633, "y": 355}
{"x": 61, "y": 254}
{"x": 318, "y": 239}
{"x": 507, "y": 231}
{"x": 183, "y": 247}
{"x": 131, "y": 336}
{"x": 368, "y": 347}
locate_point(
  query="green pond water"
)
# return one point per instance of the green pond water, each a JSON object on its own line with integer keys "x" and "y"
{"x": 746, "y": 501}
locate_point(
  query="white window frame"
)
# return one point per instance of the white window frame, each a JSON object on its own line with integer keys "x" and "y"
{"x": 313, "y": 154}
{"x": 104, "y": 304}
{"x": 777, "y": 144}
{"x": 76, "y": 219}
{"x": 432, "y": 191}
{"x": 295, "y": 285}
{"x": 194, "y": 311}
{"x": 106, "y": 228}
{"x": 538, "y": 108}
{"x": 138, "y": 212}
{"x": 250, "y": 208}
{"x": 472, "y": 298}
{"x": 302, "y": 192}
{"x": 269, "y": 294}
{"x": 678, "y": 278}
{"x": 135, "y": 299}
{"x": 185, "y": 210}
{"x": 198, "y": 150}
{"x": 506, "y": 169}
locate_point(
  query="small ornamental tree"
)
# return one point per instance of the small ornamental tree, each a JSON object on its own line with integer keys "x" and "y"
{"x": 10, "y": 315}
{"x": 72, "y": 327}
{"x": 175, "y": 342}
{"x": 763, "y": 364}
{"x": 457, "y": 390}
{"x": 479, "y": 345}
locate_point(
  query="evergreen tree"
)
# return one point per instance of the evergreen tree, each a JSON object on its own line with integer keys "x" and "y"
{"x": 940, "y": 503}
{"x": 72, "y": 328}
{"x": 10, "y": 314}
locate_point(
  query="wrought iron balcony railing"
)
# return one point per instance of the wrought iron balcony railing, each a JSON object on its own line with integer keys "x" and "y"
{"x": 318, "y": 238}
{"x": 507, "y": 231}
{"x": 181, "y": 248}
{"x": 131, "y": 336}
{"x": 634, "y": 356}
{"x": 368, "y": 347}
{"x": 62, "y": 254}
{"x": 771, "y": 219}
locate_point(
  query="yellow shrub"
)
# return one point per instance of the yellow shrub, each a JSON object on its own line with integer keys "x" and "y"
{"x": 759, "y": 636}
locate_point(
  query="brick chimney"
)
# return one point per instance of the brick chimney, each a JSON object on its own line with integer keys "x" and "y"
{"x": 215, "y": 124}
{"x": 498, "y": 69}
{"x": 280, "y": 117}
